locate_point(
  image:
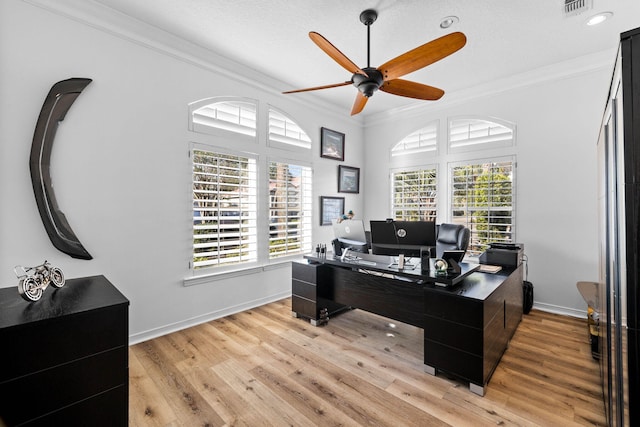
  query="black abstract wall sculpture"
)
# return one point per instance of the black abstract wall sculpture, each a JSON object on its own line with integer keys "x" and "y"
{"x": 55, "y": 107}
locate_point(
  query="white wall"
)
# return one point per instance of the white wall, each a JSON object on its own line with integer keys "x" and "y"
{"x": 121, "y": 172}
{"x": 119, "y": 165}
{"x": 557, "y": 112}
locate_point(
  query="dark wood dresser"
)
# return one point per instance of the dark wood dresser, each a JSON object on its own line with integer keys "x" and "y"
{"x": 65, "y": 357}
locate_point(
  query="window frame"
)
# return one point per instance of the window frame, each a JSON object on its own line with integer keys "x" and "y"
{"x": 479, "y": 147}
{"x": 306, "y": 201}
{"x": 478, "y": 161}
{"x": 428, "y": 167}
{"x": 396, "y": 153}
{"x": 284, "y": 142}
{"x": 231, "y": 267}
{"x": 222, "y": 131}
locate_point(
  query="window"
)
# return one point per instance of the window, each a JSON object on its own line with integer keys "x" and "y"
{"x": 289, "y": 209}
{"x": 422, "y": 140}
{"x": 414, "y": 195}
{"x": 468, "y": 134}
{"x": 224, "y": 209}
{"x": 482, "y": 199}
{"x": 283, "y": 130}
{"x": 233, "y": 115}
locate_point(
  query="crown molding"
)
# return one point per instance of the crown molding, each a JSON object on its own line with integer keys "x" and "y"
{"x": 124, "y": 27}
{"x": 587, "y": 64}
{"x": 117, "y": 24}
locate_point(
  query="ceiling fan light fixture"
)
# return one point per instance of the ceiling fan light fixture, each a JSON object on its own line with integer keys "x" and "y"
{"x": 448, "y": 21}
{"x": 370, "y": 84}
{"x": 599, "y": 18}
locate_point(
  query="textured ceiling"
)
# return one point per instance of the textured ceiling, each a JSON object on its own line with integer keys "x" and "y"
{"x": 503, "y": 37}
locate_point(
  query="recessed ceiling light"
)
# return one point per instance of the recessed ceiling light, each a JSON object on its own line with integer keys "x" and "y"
{"x": 448, "y": 21}
{"x": 599, "y": 18}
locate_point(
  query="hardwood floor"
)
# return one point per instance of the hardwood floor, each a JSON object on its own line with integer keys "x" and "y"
{"x": 264, "y": 368}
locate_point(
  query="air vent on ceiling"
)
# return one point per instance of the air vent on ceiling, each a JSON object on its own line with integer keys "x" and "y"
{"x": 576, "y": 7}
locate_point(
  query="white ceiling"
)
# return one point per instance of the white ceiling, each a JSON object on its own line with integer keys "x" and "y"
{"x": 504, "y": 37}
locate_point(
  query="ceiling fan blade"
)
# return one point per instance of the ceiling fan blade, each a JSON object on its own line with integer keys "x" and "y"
{"x": 412, "y": 89}
{"x": 318, "y": 87}
{"x": 359, "y": 103}
{"x": 422, "y": 56}
{"x": 334, "y": 53}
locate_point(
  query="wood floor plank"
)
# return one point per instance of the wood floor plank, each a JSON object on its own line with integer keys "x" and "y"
{"x": 259, "y": 397}
{"x": 147, "y": 402}
{"x": 180, "y": 395}
{"x": 262, "y": 367}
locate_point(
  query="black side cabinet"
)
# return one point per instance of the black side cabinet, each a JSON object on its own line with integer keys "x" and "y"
{"x": 309, "y": 300}
{"x": 468, "y": 328}
{"x": 65, "y": 357}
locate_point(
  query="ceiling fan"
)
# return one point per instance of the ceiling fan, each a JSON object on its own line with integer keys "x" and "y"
{"x": 386, "y": 77}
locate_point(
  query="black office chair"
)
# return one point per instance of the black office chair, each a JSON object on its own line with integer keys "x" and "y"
{"x": 452, "y": 237}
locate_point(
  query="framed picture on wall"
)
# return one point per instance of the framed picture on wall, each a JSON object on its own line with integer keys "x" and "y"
{"x": 331, "y": 144}
{"x": 348, "y": 179}
{"x": 331, "y": 208}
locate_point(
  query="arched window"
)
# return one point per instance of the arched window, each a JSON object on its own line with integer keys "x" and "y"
{"x": 469, "y": 134}
{"x": 420, "y": 141}
{"x": 283, "y": 130}
{"x": 230, "y": 114}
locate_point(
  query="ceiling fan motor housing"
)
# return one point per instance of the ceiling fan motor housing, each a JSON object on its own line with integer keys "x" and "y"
{"x": 370, "y": 83}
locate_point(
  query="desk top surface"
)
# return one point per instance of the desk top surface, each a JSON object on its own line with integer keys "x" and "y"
{"x": 470, "y": 284}
{"x": 385, "y": 264}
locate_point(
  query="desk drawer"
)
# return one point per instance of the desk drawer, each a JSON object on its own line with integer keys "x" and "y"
{"x": 453, "y": 308}
{"x": 312, "y": 273}
{"x": 304, "y": 289}
{"x": 460, "y": 363}
{"x": 304, "y": 307}
{"x": 454, "y": 335}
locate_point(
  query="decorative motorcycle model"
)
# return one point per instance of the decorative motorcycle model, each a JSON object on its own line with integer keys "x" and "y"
{"x": 34, "y": 280}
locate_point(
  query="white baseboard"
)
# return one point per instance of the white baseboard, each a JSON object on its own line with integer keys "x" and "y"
{"x": 556, "y": 309}
{"x": 167, "y": 329}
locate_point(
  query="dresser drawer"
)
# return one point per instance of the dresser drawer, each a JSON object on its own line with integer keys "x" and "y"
{"x": 46, "y": 391}
{"x": 60, "y": 340}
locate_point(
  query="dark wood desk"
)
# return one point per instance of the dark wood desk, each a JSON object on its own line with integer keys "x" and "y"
{"x": 467, "y": 326}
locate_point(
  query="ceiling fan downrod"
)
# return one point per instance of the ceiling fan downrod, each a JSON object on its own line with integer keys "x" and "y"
{"x": 368, "y": 17}
{"x": 372, "y": 81}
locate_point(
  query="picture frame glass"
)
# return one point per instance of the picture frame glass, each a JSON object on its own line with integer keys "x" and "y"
{"x": 331, "y": 208}
{"x": 348, "y": 179}
{"x": 331, "y": 144}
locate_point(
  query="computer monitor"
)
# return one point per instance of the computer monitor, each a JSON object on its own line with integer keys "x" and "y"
{"x": 390, "y": 237}
{"x": 350, "y": 233}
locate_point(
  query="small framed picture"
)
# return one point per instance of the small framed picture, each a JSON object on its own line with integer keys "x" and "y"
{"x": 331, "y": 144}
{"x": 348, "y": 179}
{"x": 331, "y": 208}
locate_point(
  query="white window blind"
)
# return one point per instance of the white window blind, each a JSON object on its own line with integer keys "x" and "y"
{"x": 467, "y": 134}
{"x": 420, "y": 141}
{"x": 224, "y": 209}
{"x": 289, "y": 209}
{"x": 284, "y": 130}
{"x": 414, "y": 195}
{"x": 233, "y": 116}
{"x": 482, "y": 199}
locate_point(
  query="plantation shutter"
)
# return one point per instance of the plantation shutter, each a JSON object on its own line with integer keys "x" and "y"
{"x": 224, "y": 209}
{"x": 289, "y": 209}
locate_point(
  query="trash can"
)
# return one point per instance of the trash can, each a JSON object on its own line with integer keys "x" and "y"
{"x": 589, "y": 292}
